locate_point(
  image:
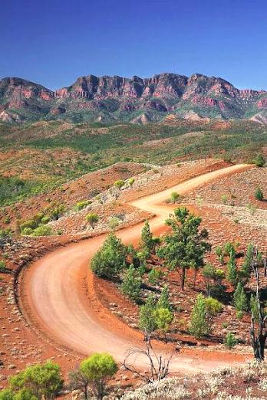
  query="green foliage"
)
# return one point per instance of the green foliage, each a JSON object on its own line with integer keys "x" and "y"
{"x": 119, "y": 183}
{"x": 224, "y": 198}
{"x": 254, "y": 308}
{"x": 7, "y": 394}
{"x": 232, "y": 275}
{"x": 148, "y": 243}
{"x": 164, "y": 299}
{"x": 259, "y": 160}
{"x": 230, "y": 340}
{"x": 213, "y": 277}
{"x": 57, "y": 212}
{"x": 239, "y": 315}
{"x": 246, "y": 267}
{"x": 213, "y": 306}
{"x": 110, "y": 259}
{"x": 185, "y": 247}
{"x": 240, "y": 298}
{"x": 155, "y": 275}
{"x": 99, "y": 369}
{"x": 175, "y": 197}
{"x": 3, "y": 268}
{"x": 258, "y": 194}
{"x": 198, "y": 321}
{"x": 131, "y": 283}
{"x": 42, "y": 230}
{"x": 82, "y": 204}
{"x": 220, "y": 254}
{"x": 114, "y": 223}
{"x": 131, "y": 181}
{"x": 163, "y": 318}
{"x": 147, "y": 322}
{"x": 92, "y": 219}
{"x": 40, "y": 380}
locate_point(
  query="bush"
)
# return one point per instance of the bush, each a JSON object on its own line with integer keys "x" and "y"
{"x": 99, "y": 369}
{"x": 232, "y": 272}
{"x": 259, "y": 160}
{"x": 198, "y": 321}
{"x": 147, "y": 322}
{"x": 163, "y": 318}
{"x": 259, "y": 194}
{"x": 131, "y": 284}
{"x": 213, "y": 306}
{"x": 230, "y": 340}
{"x": 42, "y": 230}
{"x": 110, "y": 259}
{"x": 119, "y": 184}
{"x": 93, "y": 219}
{"x": 40, "y": 380}
{"x": 131, "y": 181}
{"x": 82, "y": 204}
{"x": 3, "y": 266}
{"x": 239, "y": 315}
{"x": 175, "y": 197}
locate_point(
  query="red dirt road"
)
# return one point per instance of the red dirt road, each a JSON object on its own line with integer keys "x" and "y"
{"x": 58, "y": 292}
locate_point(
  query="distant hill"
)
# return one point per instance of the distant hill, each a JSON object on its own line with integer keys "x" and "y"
{"x": 112, "y": 99}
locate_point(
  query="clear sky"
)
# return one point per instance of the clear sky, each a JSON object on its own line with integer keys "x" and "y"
{"x": 52, "y": 42}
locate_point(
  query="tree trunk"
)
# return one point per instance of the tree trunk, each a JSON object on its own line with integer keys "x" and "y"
{"x": 183, "y": 278}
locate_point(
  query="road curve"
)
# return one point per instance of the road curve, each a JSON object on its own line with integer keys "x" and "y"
{"x": 55, "y": 287}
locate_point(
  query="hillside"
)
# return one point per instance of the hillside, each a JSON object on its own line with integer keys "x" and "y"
{"x": 137, "y": 100}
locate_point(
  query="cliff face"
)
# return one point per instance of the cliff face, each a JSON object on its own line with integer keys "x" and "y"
{"x": 124, "y": 99}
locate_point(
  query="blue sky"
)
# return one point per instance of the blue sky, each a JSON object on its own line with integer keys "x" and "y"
{"x": 53, "y": 42}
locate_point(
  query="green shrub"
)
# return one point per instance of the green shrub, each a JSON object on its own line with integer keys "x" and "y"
{"x": 99, "y": 369}
{"x": 175, "y": 197}
{"x": 27, "y": 231}
{"x": 42, "y": 230}
{"x": 82, "y": 204}
{"x": 93, "y": 219}
{"x": 240, "y": 298}
{"x": 213, "y": 306}
{"x": 163, "y": 318}
{"x": 131, "y": 181}
{"x": 230, "y": 340}
{"x": 259, "y": 194}
{"x": 239, "y": 315}
{"x": 3, "y": 266}
{"x": 164, "y": 299}
{"x": 224, "y": 198}
{"x": 119, "y": 184}
{"x": 198, "y": 321}
{"x": 40, "y": 380}
{"x": 110, "y": 259}
{"x": 259, "y": 160}
{"x": 147, "y": 322}
{"x": 131, "y": 283}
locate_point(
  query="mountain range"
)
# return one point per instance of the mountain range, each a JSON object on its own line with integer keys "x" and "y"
{"x": 109, "y": 99}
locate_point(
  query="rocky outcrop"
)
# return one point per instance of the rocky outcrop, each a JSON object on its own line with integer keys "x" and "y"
{"x": 118, "y": 98}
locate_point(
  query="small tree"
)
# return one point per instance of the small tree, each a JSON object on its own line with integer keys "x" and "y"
{"x": 147, "y": 322}
{"x": 131, "y": 181}
{"x": 230, "y": 340}
{"x": 198, "y": 321}
{"x": 131, "y": 284}
{"x": 99, "y": 369}
{"x": 185, "y": 246}
{"x": 164, "y": 299}
{"x": 163, "y": 319}
{"x": 110, "y": 259}
{"x": 40, "y": 380}
{"x": 220, "y": 254}
{"x": 259, "y": 160}
{"x": 148, "y": 243}
{"x": 258, "y": 194}
{"x": 246, "y": 267}
{"x": 240, "y": 298}
{"x": 175, "y": 197}
{"x": 232, "y": 276}
{"x": 213, "y": 277}
{"x": 93, "y": 219}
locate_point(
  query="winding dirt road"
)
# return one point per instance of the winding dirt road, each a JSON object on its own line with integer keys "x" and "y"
{"x": 58, "y": 292}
